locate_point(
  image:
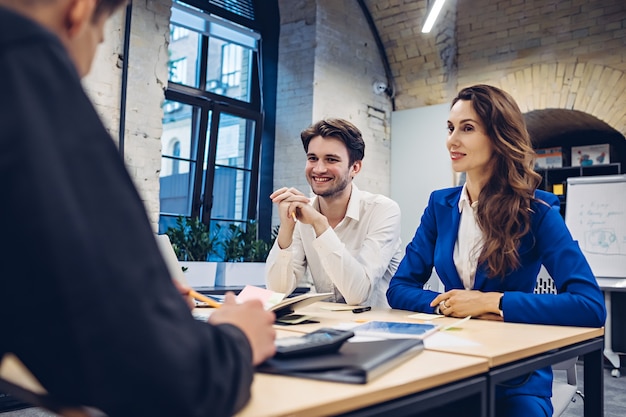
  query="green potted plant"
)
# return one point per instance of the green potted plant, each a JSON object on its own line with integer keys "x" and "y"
{"x": 243, "y": 256}
{"x": 224, "y": 256}
{"x": 194, "y": 245}
{"x": 192, "y": 240}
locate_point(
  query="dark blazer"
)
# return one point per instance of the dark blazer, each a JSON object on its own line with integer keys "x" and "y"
{"x": 579, "y": 301}
{"x": 93, "y": 311}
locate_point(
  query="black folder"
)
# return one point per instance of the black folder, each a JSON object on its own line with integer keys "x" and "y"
{"x": 355, "y": 362}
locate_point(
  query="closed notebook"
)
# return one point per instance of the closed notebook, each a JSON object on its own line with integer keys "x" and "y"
{"x": 355, "y": 362}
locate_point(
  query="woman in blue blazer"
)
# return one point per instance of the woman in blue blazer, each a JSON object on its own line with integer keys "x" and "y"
{"x": 488, "y": 239}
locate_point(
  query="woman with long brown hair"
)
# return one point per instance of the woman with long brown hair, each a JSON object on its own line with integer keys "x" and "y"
{"x": 488, "y": 239}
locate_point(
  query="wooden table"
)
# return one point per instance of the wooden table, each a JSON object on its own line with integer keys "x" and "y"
{"x": 510, "y": 349}
{"x": 425, "y": 381}
{"x": 438, "y": 375}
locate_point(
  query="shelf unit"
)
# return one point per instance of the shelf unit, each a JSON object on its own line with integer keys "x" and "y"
{"x": 552, "y": 176}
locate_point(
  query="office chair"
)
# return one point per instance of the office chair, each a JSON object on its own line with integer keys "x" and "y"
{"x": 564, "y": 391}
{"x": 564, "y": 387}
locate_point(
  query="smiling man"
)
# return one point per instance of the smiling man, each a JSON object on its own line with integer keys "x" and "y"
{"x": 348, "y": 239}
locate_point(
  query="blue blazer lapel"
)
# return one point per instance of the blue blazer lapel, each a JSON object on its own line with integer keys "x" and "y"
{"x": 480, "y": 279}
{"x": 448, "y": 231}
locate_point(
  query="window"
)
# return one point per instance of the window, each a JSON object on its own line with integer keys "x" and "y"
{"x": 178, "y": 70}
{"x": 177, "y": 32}
{"x": 212, "y": 121}
{"x": 175, "y": 160}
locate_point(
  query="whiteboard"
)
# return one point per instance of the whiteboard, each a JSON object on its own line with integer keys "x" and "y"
{"x": 595, "y": 214}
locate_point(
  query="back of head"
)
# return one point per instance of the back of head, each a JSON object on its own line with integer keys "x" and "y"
{"x": 102, "y": 6}
{"x": 78, "y": 24}
{"x": 339, "y": 129}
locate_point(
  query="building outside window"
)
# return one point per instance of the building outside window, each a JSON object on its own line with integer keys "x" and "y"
{"x": 212, "y": 121}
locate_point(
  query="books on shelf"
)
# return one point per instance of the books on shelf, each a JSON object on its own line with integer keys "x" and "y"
{"x": 549, "y": 158}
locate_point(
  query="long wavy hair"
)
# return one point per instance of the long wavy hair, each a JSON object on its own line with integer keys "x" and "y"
{"x": 503, "y": 211}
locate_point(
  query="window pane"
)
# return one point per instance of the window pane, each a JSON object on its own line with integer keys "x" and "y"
{"x": 176, "y": 139}
{"x": 176, "y": 188}
{"x": 234, "y": 141}
{"x": 177, "y": 162}
{"x": 230, "y": 191}
{"x": 183, "y": 53}
{"x": 228, "y": 70}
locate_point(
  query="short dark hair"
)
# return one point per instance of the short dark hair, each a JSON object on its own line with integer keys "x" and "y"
{"x": 340, "y": 129}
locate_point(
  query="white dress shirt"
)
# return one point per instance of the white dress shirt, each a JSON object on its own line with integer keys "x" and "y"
{"x": 469, "y": 242}
{"x": 355, "y": 260}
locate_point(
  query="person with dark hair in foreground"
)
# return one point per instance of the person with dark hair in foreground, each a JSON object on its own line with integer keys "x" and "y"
{"x": 94, "y": 313}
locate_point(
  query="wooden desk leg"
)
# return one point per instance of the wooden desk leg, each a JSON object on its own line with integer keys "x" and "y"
{"x": 594, "y": 384}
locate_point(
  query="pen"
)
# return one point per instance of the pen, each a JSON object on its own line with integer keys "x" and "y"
{"x": 293, "y": 215}
{"x": 361, "y": 309}
{"x": 200, "y": 297}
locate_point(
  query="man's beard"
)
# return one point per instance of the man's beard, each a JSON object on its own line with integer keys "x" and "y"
{"x": 336, "y": 190}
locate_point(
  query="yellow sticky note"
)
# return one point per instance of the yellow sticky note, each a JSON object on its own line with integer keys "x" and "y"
{"x": 557, "y": 189}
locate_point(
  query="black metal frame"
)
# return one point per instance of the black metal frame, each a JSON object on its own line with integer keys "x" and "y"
{"x": 262, "y": 104}
{"x": 485, "y": 385}
{"x": 414, "y": 404}
{"x": 591, "y": 352}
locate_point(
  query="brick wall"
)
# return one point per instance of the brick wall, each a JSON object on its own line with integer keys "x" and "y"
{"x": 147, "y": 78}
{"x": 347, "y": 64}
{"x": 424, "y": 65}
{"x": 548, "y": 53}
{"x": 328, "y": 63}
{"x": 294, "y": 107}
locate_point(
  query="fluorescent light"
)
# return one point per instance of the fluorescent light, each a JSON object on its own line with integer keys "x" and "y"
{"x": 432, "y": 16}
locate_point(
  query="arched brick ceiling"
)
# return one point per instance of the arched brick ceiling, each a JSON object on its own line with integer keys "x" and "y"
{"x": 543, "y": 125}
{"x": 418, "y": 64}
{"x": 414, "y": 59}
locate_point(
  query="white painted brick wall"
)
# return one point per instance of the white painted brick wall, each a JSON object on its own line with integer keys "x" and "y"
{"x": 328, "y": 62}
{"x": 347, "y": 63}
{"x": 147, "y": 77}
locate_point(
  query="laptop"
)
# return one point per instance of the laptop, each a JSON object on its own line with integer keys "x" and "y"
{"x": 169, "y": 256}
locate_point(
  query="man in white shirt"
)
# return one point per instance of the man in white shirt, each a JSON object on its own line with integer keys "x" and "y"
{"x": 348, "y": 239}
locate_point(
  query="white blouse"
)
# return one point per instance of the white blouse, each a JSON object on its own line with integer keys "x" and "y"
{"x": 469, "y": 242}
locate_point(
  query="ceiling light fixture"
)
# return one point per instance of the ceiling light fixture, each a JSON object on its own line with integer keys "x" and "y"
{"x": 432, "y": 16}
